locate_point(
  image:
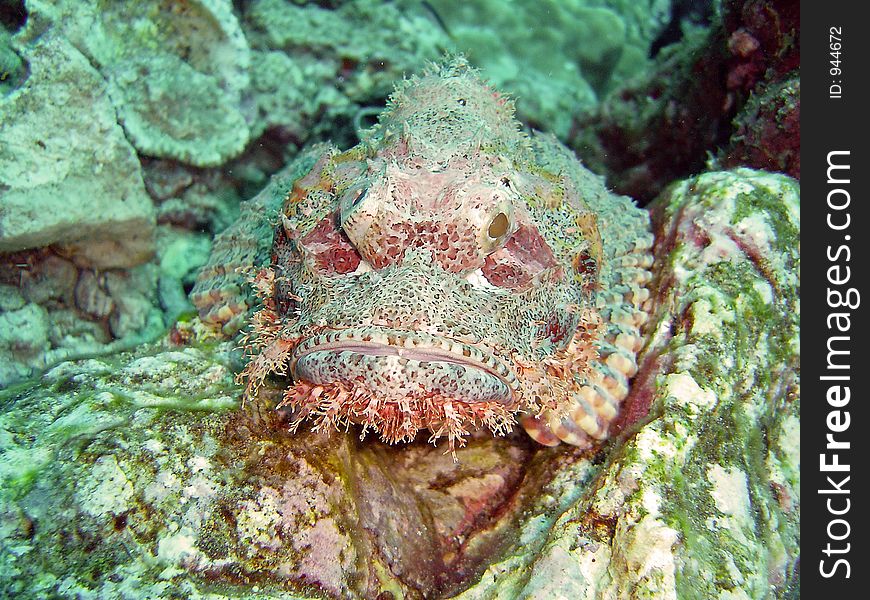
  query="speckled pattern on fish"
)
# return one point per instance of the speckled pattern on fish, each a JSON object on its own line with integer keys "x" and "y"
{"x": 448, "y": 273}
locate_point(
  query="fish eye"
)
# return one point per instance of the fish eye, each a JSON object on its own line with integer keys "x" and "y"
{"x": 360, "y": 196}
{"x": 498, "y": 226}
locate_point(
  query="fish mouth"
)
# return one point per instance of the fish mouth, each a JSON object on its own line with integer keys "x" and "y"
{"x": 404, "y": 364}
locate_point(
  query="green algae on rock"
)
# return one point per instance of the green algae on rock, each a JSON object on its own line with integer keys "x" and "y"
{"x": 314, "y": 66}
{"x": 136, "y": 477}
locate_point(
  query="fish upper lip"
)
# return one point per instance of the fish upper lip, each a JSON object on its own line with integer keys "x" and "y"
{"x": 410, "y": 344}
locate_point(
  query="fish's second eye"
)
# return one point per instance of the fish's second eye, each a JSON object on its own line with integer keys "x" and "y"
{"x": 360, "y": 196}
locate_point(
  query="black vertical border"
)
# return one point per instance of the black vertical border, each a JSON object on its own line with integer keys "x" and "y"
{"x": 830, "y": 124}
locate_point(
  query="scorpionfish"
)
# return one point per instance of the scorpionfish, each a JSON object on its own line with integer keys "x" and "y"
{"x": 451, "y": 272}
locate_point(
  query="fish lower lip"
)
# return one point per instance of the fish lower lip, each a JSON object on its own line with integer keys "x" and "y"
{"x": 396, "y": 364}
{"x": 375, "y": 349}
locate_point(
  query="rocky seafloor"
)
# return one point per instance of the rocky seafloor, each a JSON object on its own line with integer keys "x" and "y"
{"x": 130, "y": 131}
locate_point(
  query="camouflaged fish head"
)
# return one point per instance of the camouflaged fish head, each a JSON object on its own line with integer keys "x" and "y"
{"x": 448, "y": 273}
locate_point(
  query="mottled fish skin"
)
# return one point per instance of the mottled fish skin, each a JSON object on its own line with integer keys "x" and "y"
{"x": 222, "y": 293}
{"x": 448, "y": 273}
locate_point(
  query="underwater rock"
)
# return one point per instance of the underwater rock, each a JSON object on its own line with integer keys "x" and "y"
{"x": 68, "y": 174}
{"x": 180, "y": 255}
{"x": 658, "y": 126}
{"x": 200, "y": 208}
{"x": 172, "y": 490}
{"x": 763, "y": 41}
{"x": 13, "y": 70}
{"x": 175, "y": 71}
{"x": 84, "y": 311}
{"x": 138, "y": 475}
{"x": 47, "y": 278}
{"x": 23, "y": 338}
{"x": 91, "y": 295}
{"x": 315, "y": 66}
{"x": 767, "y": 131}
{"x": 133, "y": 293}
{"x": 11, "y": 298}
{"x": 192, "y": 200}
{"x": 666, "y": 123}
{"x": 559, "y": 69}
{"x": 71, "y": 181}
{"x": 763, "y": 79}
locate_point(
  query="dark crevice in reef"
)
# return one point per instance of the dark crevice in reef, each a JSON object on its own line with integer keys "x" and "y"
{"x": 13, "y": 14}
{"x": 694, "y": 102}
{"x": 684, "y": 13}
{"x": 14, "y": 70}
{"x": 659, "y": 128}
